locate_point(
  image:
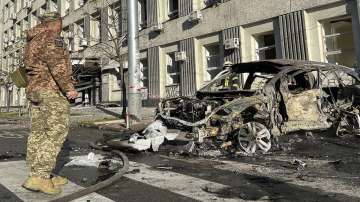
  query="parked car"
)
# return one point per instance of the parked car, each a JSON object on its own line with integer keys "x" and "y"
{"x": 249, "y": 104}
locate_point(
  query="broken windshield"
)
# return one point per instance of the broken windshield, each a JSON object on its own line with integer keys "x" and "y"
{"x": 233, "y": 81}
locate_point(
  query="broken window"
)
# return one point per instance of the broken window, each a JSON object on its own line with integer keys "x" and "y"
{"x": 339, "y": 42}
{"x": 145, "y": 78}
{"x": 259, "y": 81}
{"x": 172, "y": 70}
{"x": 265, "y": 47}
{"x": 335, "y": 79}
{"x": 172, "y": 76}
{"x": 173, "y": 9}
{"x": 212, "y": 61}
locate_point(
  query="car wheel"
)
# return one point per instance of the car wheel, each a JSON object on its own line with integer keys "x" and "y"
{"x": 253, "y": 136}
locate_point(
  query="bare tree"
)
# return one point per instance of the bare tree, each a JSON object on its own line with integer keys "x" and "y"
{"x": 111, "y": 48}
{"x": 5, "y": 81}
{"x": 17, "y": 61}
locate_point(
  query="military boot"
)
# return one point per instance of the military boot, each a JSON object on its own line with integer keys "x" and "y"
{"x": 59, "y": 181}
{"x": 40, "y": 184}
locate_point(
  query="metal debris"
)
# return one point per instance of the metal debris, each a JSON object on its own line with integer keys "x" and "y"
{"x": 300, "y": 164}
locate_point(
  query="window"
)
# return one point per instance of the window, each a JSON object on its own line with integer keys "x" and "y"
{"x": 42, "y": 10}
{"x": 11, "y": 9}
{"x": 3, "y": 64}
{"x": 212, "y": 61}
{"x": 11, "y": 36}
{"x": 52, "y": 6}
{"x": 95, "y": 22}
{"x": 17, "y": 31}
{"x": 68, "y": 38}
{"x": 25, "y": 25}
{"x": 142, "y": 14}
{"x": 210, "y": 3}
{"x": 265, "y": 47}
{"x": 144, "y": 69}
{"x": 173, "y": 9}
{"x": 82, "y": 42}
{"x": 78, "y": 4}
{"x": 114, "y": 21}
{"x": 66, "y": 7}
{"x": 5, "y": 40}
{"x": 145, "y": 78}
{"x": 172, "y": 70}
{"x": 6, "y": 12}
{"x": 18, "y": 5}
{"x": 339, "y": 42}
{"x": 33, "y": 20}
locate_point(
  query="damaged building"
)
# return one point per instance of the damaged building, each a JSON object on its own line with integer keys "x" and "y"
{"x": 183, "y": 43}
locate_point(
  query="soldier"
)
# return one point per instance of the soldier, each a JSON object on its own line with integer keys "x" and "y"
{"x": 49, "y": 77}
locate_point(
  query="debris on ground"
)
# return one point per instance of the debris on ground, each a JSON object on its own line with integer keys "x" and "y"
{"x": 240, "y": 117}
{"x": 94, "y": 160}
{"x": 152, "y": 137}
{"x": 300, "y": 164}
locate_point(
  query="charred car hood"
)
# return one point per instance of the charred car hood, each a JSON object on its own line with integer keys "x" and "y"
{"x": 192, "y": 111}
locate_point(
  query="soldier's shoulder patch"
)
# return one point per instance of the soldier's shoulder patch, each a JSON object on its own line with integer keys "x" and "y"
{"x": 59, "y": 42}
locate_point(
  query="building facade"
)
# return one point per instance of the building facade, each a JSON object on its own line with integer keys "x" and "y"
{"x": 183, "y": 43}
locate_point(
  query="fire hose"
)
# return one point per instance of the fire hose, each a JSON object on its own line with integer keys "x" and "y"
{"x": 100, "y": 185}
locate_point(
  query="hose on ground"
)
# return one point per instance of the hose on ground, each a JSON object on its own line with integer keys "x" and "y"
{"x": 100, "y": 185}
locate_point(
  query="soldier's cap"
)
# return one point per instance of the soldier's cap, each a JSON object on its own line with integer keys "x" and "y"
{"x": 50, "y": 16}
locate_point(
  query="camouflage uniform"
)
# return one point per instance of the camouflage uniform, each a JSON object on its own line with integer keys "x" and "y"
{"x": 49, "y": 78}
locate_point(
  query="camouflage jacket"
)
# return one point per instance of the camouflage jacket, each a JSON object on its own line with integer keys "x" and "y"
{"x": 47, "y": 62}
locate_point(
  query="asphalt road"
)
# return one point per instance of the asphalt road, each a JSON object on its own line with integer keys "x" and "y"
{"x": 331, "y": 172}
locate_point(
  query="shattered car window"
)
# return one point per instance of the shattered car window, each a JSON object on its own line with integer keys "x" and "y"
{"x": 259, "y": 81}
{"x": 230, "y": 81}
{"x": 234, "y": 82}
{"x": 336, "y": 78}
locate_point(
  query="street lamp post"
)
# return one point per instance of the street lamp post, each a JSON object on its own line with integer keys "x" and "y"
{"x": 134, "y": 93}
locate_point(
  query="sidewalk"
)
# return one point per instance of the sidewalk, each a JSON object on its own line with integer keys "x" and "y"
{"x": 108, "y": 118}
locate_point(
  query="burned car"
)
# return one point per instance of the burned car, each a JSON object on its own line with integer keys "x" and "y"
{"x": 250, "y": 104}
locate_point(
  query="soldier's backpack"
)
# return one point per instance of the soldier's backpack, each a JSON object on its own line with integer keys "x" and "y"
{"x": 19, "y": 77}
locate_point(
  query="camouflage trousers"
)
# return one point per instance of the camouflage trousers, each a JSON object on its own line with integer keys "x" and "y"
{"x": 49, "y": 127}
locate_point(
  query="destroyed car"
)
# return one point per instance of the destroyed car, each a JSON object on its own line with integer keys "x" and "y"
{"x": 250, "y": 104}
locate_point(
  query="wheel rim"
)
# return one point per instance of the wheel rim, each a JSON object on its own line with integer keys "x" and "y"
{"x": 254, "y": 136}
